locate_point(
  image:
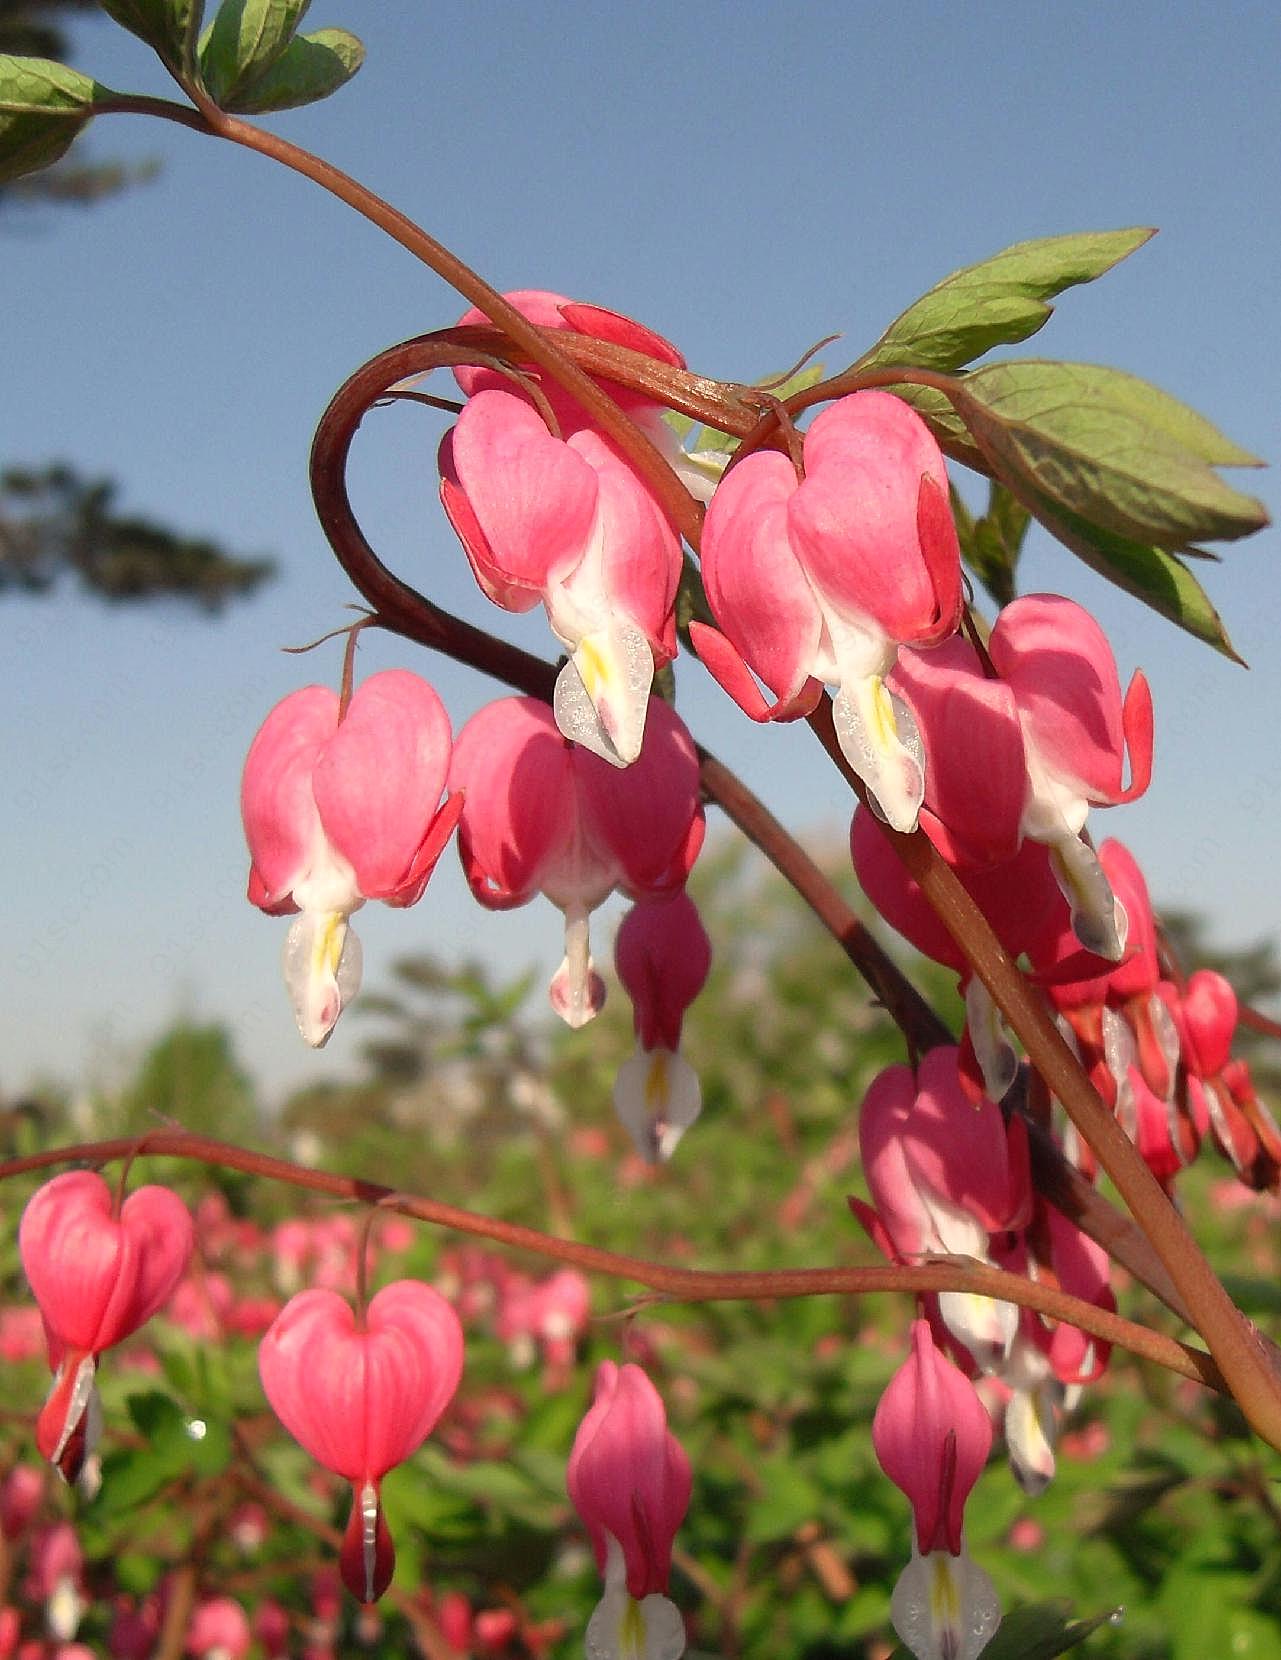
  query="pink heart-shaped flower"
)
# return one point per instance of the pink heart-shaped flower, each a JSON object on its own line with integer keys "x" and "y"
{"x": 361, "y": 1400}
{"x": 98, "y": 1277}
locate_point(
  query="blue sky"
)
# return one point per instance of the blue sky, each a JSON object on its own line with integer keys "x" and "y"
{"x": 743, "y": 177}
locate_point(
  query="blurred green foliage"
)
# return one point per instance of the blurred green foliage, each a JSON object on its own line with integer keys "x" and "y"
{"x": 1162, "y": 1506}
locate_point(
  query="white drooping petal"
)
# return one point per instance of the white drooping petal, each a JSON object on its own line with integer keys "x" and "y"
{"x": 64, "y": 1610}
{"x": 576, "y": 991}
{"x": 879, "y": 738}
{"x": 1120, "y": 1053}
{"x": 623, "y": 1629}
{"x": 989, "y": 1036}
{"x": 84, "y": 1403}
{"x": 944, "y": 1607}
{"x": 657, "y": 1096}
{"x": 985, "y": 1326}
{"x": 1098, "y": 916}
{"x": 1166, "y": 1034}
{"x": 322, "y": 962}
{"x": 602, "y": 693}
{"x": 1031, "y": 1434}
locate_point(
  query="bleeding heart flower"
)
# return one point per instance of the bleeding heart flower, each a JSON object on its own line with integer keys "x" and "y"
{"x": 630, "y": 1481}
{"x": 339, "y": 808}
{"x": 219, "y": 1630}
{"x": 567, "y": 522}
{"x": 663, "y": 956}
{"x": 1058, "y": 664}
{"x": 97, "y": 1275}
{"x": 823, "y": 580}
{"x": 541, "y": 814}
{"x": 932, "y": 1435}
{"x": 361, "y": 1395}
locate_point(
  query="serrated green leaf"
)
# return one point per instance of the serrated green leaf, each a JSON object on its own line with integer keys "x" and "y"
{"x": 169, "y": 26}
{"x": 1079, "y": 435}
{"x": 311, "y": 67}
{"x": 1000, "y": 301}
{"x": 245, "y": 38}
{"x": 1160, "y": 579}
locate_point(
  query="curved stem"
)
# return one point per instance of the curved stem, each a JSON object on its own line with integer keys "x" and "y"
{"x": 542, "y": 345}
{"x": 403, "y": 610}
{"x": 684, "y": 1284}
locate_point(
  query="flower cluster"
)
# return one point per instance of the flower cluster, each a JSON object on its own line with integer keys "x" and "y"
{"x": 833, "y": 560}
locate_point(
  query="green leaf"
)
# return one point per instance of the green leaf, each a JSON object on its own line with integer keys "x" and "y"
{"x": 43, "y": 106}
{"x": 950, "y": 432}
{"x": 1253, "y": 1296}
{"x": 39, "y": 86}
{"x": 1041, "y": 1631}
{"x": 1160, "y": 579}
{"x": 311, "y": 67}
{"x": 176, "y": 1446}
{"x": 245, "y": 38}
{"x": 991, "y": 545}
{"x": 170, "y": 26}
{"x": 1000, "y": 301}
{"x": 1107, "y": 447}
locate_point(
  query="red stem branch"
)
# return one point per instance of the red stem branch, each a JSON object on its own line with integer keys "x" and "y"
{"x": 684, "y": 1284}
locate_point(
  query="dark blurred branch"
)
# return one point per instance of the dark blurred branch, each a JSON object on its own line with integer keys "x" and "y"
{"x": 54, "y": 522}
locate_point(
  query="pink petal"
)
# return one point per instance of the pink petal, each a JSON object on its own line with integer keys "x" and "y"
{"x": 883, "y": 1117}
{"x": 663, "y": 956}
{"x": 1059, "y": 665}
{"x": 932, "y": 1435}
{"x": 379, "y": 779}
{"x": 857, "y": 521}
{"x": 531, "y": 495}
{"x": 975, "y": 773}
{"x": 755, "y": 584}
{"x": 628, "y": 1476}
{"x": 641, "y": 556}
{"x": 516, "y": 774}
{"x": 276, "y": 800}
{"x": 648, "y": 815}
{"x": 732, "y": 674}
{"x": 956, "y": 1149}
{"x": 97, "y": 1279}
{"x": 361, "y": 1401}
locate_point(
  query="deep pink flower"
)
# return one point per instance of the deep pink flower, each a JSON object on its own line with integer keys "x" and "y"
{"x": 565, "y": 521}
{"x": 1209, "y": 1008}
{"x": 555, "y": 311}
{"x": 21, "y": 1494}
{"x": 1019, "y": 899}
{"x": 932, "y": 1435}
{"x": 1077, "y": 732}
{"x": 630, "y": 1481}
{"x": 663, "y": 956}
{"x": 825, "y": 579}
{"x": 219, "y": 1630}
{"x": 976, "y": 776}
{"x": 340, "y": 811}
{"x": 361, "y": 1397}
{"x": 945, "y": 1175}
{"x": 97, "y": 1277}
{"x": 543, "y": 815}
